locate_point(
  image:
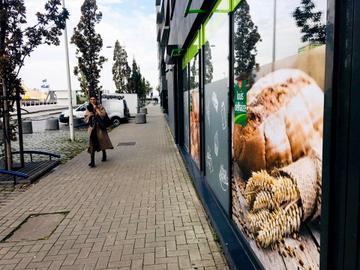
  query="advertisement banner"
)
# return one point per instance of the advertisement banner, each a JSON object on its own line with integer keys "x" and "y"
{"x": 240, "y": 103}
{"x": 277, "y": 131}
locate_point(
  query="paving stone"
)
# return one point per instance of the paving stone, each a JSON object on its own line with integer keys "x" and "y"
{"x": 138, "y": 210}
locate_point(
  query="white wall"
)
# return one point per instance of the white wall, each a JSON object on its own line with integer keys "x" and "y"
{"x": 63, "y": 97}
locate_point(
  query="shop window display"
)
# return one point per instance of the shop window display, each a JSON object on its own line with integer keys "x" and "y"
{"x": 216, "y": 98}
{"x": 195, "y": 111}
{"x": 278, "y": 129}
{"x": 186, "y": 109}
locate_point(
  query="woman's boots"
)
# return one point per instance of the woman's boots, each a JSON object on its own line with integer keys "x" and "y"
{"x": 92, "y": 162}
{"x": 92, "y": 156}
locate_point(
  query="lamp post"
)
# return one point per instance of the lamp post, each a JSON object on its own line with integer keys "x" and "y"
{"x": 274, "y": 39}
{"x": 71, "y": 120}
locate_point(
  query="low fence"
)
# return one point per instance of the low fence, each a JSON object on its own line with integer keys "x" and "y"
{"x": 36, "y": 102}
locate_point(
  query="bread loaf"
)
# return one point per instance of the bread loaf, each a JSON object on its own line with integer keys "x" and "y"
{"x": 285, "y": 118}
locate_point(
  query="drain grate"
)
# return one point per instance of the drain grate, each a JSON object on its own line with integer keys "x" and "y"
{"x": 126, "y": 143}
{"x": 36, "y": 227}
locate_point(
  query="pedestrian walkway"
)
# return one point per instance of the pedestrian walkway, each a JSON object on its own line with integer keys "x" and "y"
{"x": 138, "y": 210}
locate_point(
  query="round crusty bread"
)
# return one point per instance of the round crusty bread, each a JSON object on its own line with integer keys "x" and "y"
{"x": 285, "y": 114}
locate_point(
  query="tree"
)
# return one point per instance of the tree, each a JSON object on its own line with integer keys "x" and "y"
{"x": 245, "y": 39}
{"x": 137, "y": 84}
{"x": 89, "y": 45}
{"x": 120, "y": 70}
{"x": 135, "y": 78}
{"x": 194, "y": 74}
{"x": 17, "y": 41}
{"x": 148, "y": 87}
{"x": 310, "y": 22}
{"x": 209, "y": 69}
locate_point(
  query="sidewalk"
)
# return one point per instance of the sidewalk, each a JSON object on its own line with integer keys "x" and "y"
{"x": 138, "y": 210}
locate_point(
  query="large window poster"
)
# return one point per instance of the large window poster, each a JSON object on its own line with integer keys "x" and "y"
{"x": 278, "y": 129}
{"x": 216, "y": 105}
{"x": 186, "y": 110}
{"x": 195, "y": 111}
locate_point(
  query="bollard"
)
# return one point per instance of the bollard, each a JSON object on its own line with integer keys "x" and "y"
{"x": 143, "y": 110}
{"x": 140, "y": 118}
{"x": 78, "y": 122}
{"x": 52, "y": 124}
{"x": 27, "y": 127}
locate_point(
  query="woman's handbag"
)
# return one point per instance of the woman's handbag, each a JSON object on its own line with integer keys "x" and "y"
{"x": 107, "y": 121}
{"x": 104, "y": 122}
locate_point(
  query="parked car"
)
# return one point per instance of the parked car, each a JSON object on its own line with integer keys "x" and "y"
{"x": 116, "y": 109}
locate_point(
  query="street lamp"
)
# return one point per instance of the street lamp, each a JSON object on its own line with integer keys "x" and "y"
{"x": 71, "y": 120}
{"x": 274, "y": 39}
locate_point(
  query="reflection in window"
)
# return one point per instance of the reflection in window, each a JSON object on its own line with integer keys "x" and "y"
{"x": 194, "y": 73}
{"x": 186, "y": 108}
{"x": 216, "y": 53}
{"x": 195, "y": 110}
{"x": 246, "y": 37}
{"x": 209, "y": 69}
{"x": 310, "y": 21}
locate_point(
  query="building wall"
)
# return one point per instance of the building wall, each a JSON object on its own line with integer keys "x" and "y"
{"x": 181, "y": 26}
{"x": 171, "y": 101}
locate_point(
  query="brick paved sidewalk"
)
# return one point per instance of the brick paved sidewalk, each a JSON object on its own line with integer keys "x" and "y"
{"x": 138, "y": 210}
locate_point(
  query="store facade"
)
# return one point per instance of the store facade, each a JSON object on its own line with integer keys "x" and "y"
{"x": 261, "y": 100}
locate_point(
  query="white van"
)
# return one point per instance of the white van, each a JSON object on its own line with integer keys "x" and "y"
{"x": 116, "y": 109}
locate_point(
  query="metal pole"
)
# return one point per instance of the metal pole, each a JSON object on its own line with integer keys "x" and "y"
{"x": 20, "y": 130}
{"x": 274, "y": 40}
{"x": 6, "y": 128}
{"x": 71, "y": 120}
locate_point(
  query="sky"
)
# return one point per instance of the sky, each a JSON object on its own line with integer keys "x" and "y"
{"x": 288, "y": 35}
{"x": 132, "y": 22}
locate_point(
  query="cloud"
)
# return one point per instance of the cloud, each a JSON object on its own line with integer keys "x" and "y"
{"x": 134, "y": 27}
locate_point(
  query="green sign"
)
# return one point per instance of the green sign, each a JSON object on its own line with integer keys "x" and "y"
{"x": 240, "y": 102}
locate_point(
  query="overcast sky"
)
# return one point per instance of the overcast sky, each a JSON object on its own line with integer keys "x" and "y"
{"x": 132, "y": 22}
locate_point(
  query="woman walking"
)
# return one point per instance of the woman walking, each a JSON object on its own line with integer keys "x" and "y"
{"x": 98, "y": 137}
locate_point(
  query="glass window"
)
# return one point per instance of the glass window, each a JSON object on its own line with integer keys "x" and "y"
{"x": 195, "y": 110}
{"x": 279, "y": 50}
{"x": 186, "y": 108}
{"x": 216, "y": 55}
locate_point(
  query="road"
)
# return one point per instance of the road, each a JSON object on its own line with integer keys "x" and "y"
{"x": 39, "y": 114}
{"x": 55, "y": 141}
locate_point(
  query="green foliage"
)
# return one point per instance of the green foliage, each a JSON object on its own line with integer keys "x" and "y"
{"x": 209, "y": 69}
{"x": 18, "y": 40}
{"x": 89, "y": 44}
{"x": 194, "y": 73}
{"x": 134, "y": 83}
{"x": 310, "y": 22}
{"x": 245, "y": 39}
{"x": 138, "y": 85}
{"x": 121, "y": 70}
{"x": 148, "y": 87}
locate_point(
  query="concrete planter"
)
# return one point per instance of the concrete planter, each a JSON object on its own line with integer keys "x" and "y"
{"x": 140, "y": 118}
{"x": 143, "y": 110}
{"x": 27, "y": 127}
{"x": 52, "y": 124}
